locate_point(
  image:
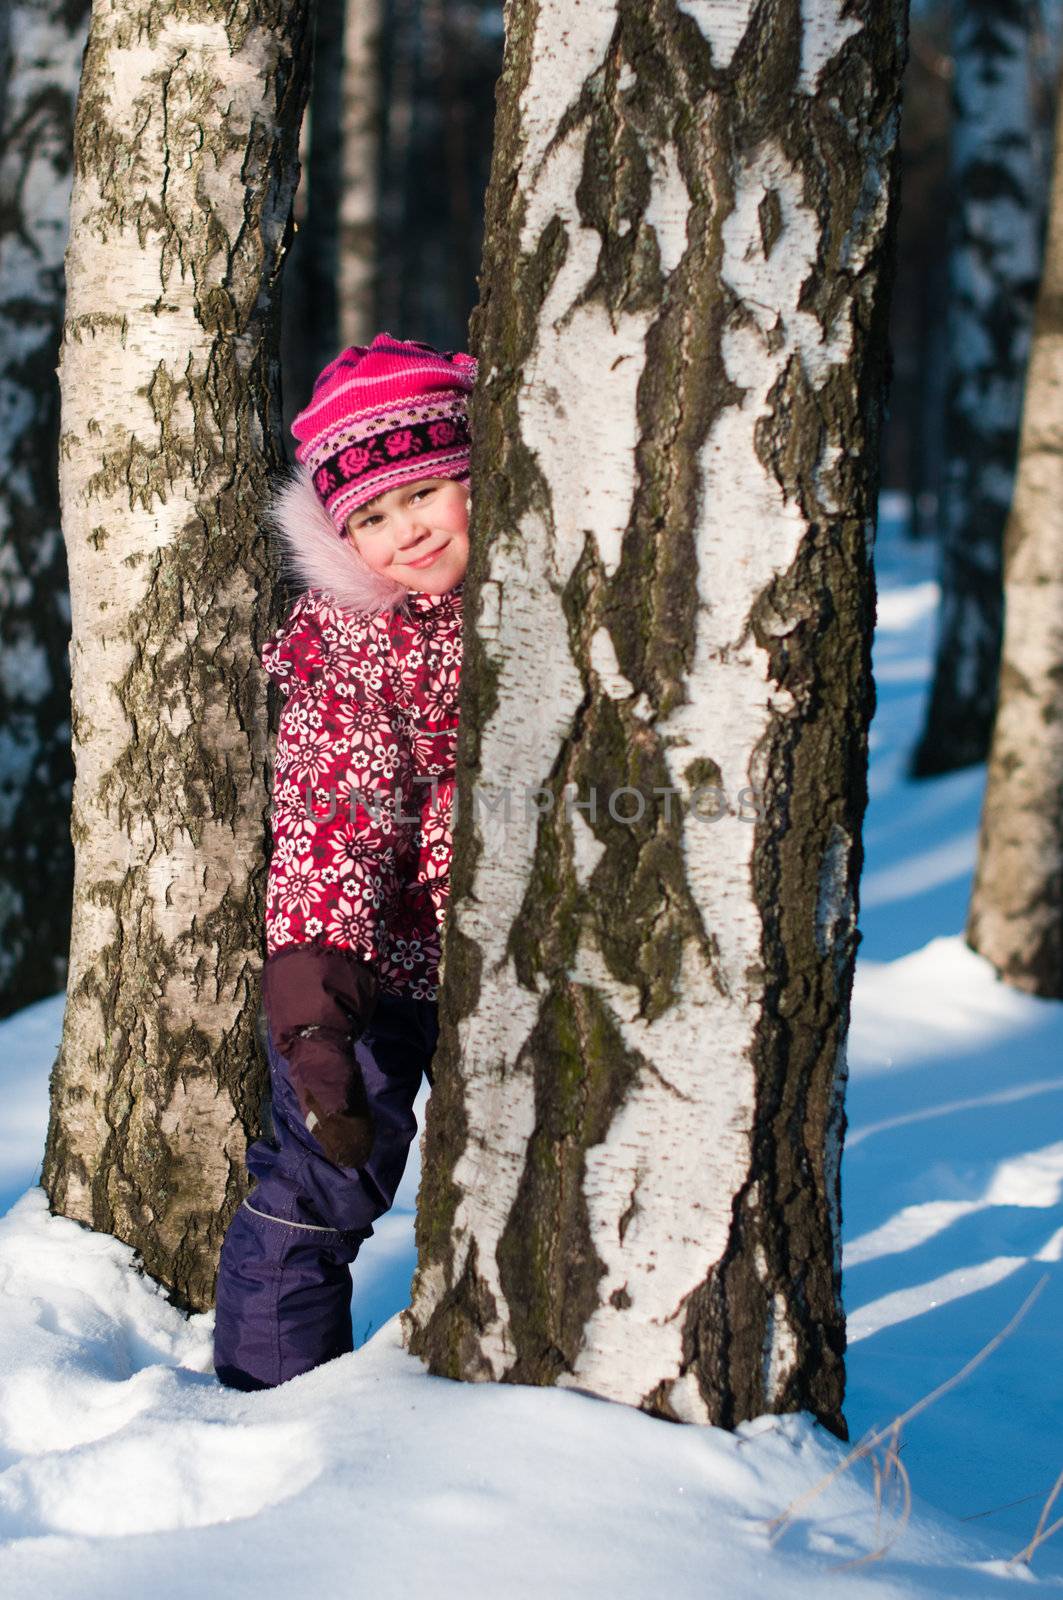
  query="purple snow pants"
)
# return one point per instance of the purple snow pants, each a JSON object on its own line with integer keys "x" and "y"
{"x": 284, "y": 1289}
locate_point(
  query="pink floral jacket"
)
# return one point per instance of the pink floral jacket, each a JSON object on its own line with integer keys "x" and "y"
{"x": 366, "y": 747}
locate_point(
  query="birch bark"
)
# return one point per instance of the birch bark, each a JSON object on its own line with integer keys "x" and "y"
{"x": 40, "y": 56}
{"x": 360, "y": 172}
{"x": 440, "y": 62}
{"x": 998, "y": 186}
{"x": 185, "y": 163}
{"x": 1016, "y": 913}
{"x": 632, "y": 1151}
{"x": 329, "y": 281}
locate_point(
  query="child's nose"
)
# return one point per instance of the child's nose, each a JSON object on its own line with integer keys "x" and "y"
{"x": 412, "y": 530}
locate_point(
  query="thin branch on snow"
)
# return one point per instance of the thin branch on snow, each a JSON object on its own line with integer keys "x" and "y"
{"x": 1041, "y": 1533}
{"x": 778, "y": 1524}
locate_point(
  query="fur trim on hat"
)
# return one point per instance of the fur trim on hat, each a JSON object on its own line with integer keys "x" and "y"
{"x": 315, "y": 557}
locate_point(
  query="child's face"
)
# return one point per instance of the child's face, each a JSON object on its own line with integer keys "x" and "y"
{"x": 417, "y": 534}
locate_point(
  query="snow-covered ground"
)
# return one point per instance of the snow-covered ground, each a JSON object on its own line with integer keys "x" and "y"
{"x": 126, "y": 1471}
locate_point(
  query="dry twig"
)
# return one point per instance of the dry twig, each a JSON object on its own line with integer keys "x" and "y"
{"x": 870, "y": 1442}
{"x": 1041, "y": 1533}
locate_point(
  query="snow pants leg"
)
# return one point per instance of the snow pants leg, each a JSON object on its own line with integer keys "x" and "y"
{"x": 284, "y": 1288}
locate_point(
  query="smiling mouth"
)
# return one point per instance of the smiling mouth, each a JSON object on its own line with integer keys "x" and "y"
{"x": 426, "y": 561}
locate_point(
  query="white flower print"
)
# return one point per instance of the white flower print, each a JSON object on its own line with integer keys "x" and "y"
{"x": 347, "y": 924}
{"x": 283, "y": 852}
{"x": 385, "y": 760}
{"x": 313, "y": 758}
{"x": 297, "y": 886}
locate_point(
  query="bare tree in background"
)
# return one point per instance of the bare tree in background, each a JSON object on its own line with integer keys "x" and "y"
{"x": 631, "y": 1169}
{"x": 185, "y": 163}
{"x": 913, "y": 447}
{"x": 1000, "y": 51}
{"x": 1016, "y": 914}
{"x": 396, "y": 153}
{"x": 359, "y": 176}
{"x": 40, "y": 58}
{"x": 440, "y": 64}
{"x": 331, "y": 273}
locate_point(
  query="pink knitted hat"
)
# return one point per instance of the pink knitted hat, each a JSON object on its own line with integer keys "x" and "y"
{"x": 382, "y": 415}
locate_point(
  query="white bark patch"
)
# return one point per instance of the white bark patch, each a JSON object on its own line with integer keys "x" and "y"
{"x": 824, "y": 30}
{"x": 587, "y": 849}
{"x": 499, "y": 1094}
{"x": 570, "y": 44}
{"x": 747, "y": 536}
{"x": 686, "y": 1400}
{"x": 572, "y": 409}
{"x": 780, "y": 1352}
{"x": 659, "y": 1215}
{"x": 723, "y": 23}
{"x": 605, "y": 664}
{"x": 835, "y": 910}
{"x": 668, "y": 208}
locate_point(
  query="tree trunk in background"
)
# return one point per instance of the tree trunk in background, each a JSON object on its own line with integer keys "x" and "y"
{"x": 913, "y": 450}
{"x": 185, "y": 163}
{"x": 319, "y": 234}
{"x": 1016, "y": 915}
{"x": 359, "y": 172}
{"x": 998, "y": 220}
{"x": 40, "y": 56}
{"x": 397, "y": 87}
{"x": 329, "y": 294}
{"x": 631, "y": 1169}
{"x": 439, "y": 67}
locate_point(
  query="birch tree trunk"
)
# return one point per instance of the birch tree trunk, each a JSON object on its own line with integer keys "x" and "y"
{"x": 185, "y": 163}
{"x": 329, "y": 282}
{"x": 360, "y": 172}
{"x": 40, "y": 56}
{"x": 440, "y": 64}
{"x": 998, "y": 183}
{"x": 631, "y": 1169}
{"x": 1016, "y": 913}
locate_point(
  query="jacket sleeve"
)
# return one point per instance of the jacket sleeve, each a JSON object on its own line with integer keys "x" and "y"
{"x": 341, "y": 835}
{"x": 435, "y": 842}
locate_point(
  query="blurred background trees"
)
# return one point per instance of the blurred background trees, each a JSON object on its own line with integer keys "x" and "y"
{"x": 1003, "y": 72}
{"x": 40, "y": 60}
{"x": 397, "y": 151}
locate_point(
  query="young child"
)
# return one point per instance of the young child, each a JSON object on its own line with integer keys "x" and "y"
{"x": 375, "y": 525}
